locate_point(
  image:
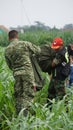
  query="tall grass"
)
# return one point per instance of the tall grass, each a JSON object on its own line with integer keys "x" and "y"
{"x": 42, "y": 37}
{"x": 6, "y": 88}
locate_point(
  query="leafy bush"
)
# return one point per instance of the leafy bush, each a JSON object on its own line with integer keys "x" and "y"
{"x": 3, "y": 39}
{"x": 40, "y": 37}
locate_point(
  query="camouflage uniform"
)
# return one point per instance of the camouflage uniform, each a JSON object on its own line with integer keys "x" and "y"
{"x": 59, "y": 74}
{"x": 17, "y": 56}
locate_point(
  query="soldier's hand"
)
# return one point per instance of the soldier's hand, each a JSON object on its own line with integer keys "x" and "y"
{"x": 55, "y": 62}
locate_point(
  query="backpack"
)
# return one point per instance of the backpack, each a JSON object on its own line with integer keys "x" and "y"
{"x": 45, "y": 58}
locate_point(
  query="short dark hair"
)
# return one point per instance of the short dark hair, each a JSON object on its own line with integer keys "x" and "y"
{"x": 12, "y": 34}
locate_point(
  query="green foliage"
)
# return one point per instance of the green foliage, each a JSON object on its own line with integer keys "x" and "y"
{"x": 6, "y": 88}
{"x": 43, "y": 119}
{"x": 39, "y": 37}
{"x": 67, "y": 36}
{"x": 43, "y": 37}
{"x": 3, "y": 39}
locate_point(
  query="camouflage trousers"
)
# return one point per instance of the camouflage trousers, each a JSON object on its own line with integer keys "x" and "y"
{"x": 56, "y": 89}
{"x": 23, "y": 93}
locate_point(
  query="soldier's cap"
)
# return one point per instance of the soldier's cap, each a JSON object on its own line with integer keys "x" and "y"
{"x": 57, "y": 42}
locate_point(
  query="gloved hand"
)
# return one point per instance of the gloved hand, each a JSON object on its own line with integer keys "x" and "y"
{"x": 55, "y": 62}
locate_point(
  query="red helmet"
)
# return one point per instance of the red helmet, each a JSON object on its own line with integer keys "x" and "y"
{"x": 57, "y": 42}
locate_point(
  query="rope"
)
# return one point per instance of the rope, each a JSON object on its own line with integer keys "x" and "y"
{"x": 25, "y": 12}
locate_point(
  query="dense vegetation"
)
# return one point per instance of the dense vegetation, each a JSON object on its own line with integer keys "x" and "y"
{"x": 41, "y": 36}
{"x": 61, "y": 115}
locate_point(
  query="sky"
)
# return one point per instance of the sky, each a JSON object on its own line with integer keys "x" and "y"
{"x": 51, "y": 13}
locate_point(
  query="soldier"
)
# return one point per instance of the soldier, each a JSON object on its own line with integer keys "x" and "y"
{"x": 18, "y": 57}
{"x": 60, "y": 70}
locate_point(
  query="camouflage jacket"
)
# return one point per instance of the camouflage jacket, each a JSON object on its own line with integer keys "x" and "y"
{"x": 17, "y": 56}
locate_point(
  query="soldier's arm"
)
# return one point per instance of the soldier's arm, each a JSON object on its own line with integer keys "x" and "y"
{"x": 7, "y": 60}
{"x": 33, "y": 48}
